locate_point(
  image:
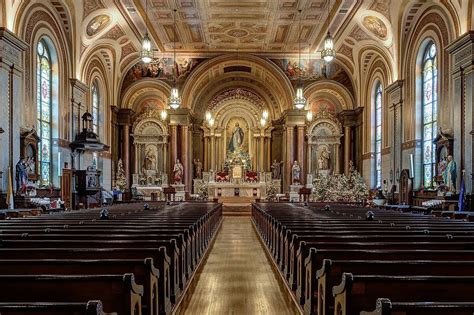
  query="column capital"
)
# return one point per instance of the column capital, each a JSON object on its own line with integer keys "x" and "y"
{"x": 294, "y": 117}
{"x": 462, "y": 50}
{"x": 351, "y": 117}
{"x": 124, "y": 116}
{"x": 394, "y": 93}
{"x": 180, "y": 116}
{"x": 79, "y": 90}
{"x": 11, "y": 48}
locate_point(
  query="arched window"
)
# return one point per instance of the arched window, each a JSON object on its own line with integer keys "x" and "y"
{"x": 430, "y": 111}
{"x": 378, "y": 134}
{"x": 44, "y": 110}
{"x": 95, "y": 107}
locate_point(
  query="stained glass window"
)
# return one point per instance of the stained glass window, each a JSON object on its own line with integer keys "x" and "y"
{"x": 44, "y": 107}
{"x": 95, "y": 107}
{"x": 378, "y": 134}
{"x": 430, "y": 109}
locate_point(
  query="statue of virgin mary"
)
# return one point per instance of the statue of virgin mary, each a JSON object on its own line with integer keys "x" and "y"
{"x": 237, "y": 138}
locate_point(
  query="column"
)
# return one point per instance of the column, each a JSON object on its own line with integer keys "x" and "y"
{"x": 268, "y": 153}
{"x": 185, "y": 155}
{"x": 206, "y": 157}
{"x": 347, "y": 148}
{"x": 309, "y": 169}
{"x": 262, "y": 152}
{"x": 213, "y": 151}
{"x": 458, "y": 111}
{"x": 173, "y": 148}
{"x": 289, "y": 158}
{"x": 126, "y": 152}
{"x": 300, "y": 152}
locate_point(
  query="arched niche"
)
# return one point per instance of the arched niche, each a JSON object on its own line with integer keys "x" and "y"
{"x": 150, "y": 136}
{"x": 324, "y": 133}
{"x": 220, "y": 72}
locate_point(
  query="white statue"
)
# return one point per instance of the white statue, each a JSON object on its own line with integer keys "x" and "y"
{"x": 323, "y": 161}
{"x": 178, "y": 171}
{"x": 295, "y": 173}
{"x": 237, "y": 138}
{"x": 149, "y": 162}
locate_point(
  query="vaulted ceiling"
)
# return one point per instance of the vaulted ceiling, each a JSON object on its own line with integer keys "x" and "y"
{"x": 261, "y": 26}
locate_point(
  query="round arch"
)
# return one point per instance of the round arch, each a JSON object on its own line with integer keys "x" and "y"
{"x": 259, "y": 72}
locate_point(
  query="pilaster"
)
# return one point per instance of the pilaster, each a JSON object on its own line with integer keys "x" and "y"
{"x": 462, "y": 52}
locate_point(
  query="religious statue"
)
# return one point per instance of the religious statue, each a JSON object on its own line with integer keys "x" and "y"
{"x": 442, "y": 166}
{"x": 276, "y": 169}
{"x": 295, "y": 173}
{"x": 30, "y": 165}
{"x": 21, "y": 176}
{"x": 149, "y": 163}
{"x": 450, "y": 174}
{"x": 197, "y": 168}
{"x": 237, "y": 138}
{"x": 178, "y": 171}
{"x": 323, "y": 161}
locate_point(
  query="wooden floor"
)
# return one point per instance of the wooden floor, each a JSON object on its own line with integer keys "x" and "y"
{"x": 237, "y": 277}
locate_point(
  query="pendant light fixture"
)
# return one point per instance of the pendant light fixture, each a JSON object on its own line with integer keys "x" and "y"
{"x": 328, "y": 53}
{"x": 174, "y": 100}
{"x": 147, "y": 53}
{"x": 299, "y": 100}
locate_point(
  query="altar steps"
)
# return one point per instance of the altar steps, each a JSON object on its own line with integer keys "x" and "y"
{"x": 236, "y": 206}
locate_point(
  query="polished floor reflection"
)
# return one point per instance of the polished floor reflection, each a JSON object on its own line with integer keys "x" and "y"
{"x": 237, "y": 277}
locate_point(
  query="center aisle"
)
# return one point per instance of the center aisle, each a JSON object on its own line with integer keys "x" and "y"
{"x": 237, "y": 277}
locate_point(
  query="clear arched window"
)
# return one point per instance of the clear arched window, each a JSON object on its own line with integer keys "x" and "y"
{"x": 44, "y": 110}
{"x": 378, "y": 134}
{"x": 95, "y": 107}
{"x": 430, "y": 111}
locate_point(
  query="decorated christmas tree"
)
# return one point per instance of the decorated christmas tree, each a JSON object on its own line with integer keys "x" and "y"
{"x": 120, "y": 178}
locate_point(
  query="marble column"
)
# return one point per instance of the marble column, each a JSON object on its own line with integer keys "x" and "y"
{"x": 347, "y": 148}
{"x": 185, "y": 155}
{"x": 268, "y": 153}
{"x": 289, "y": 158}
{"x": 174, "y": 147}
{"x": 213, "y": 151}
{"x": 206, "y": 157}
{"x": 300, "y": 152}
{"x": 126, "y": 152}
{"x": 262, "y": 152}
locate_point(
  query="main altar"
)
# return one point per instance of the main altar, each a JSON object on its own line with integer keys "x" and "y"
{"x": 237, "y": 179}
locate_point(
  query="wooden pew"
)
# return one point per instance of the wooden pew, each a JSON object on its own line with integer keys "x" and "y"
{"x": 358, "y": 292}
{"x": 144, "y": 272}
{"x": 118, "y": 293}
{"x": 319, "y": 288}
{"x": 386, "y": 307}
{"x": 161, "y": 259}
{"x": 47, "y": 308}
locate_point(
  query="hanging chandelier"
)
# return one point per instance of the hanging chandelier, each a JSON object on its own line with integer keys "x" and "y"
{"x": 328, "y": 53}
{"x": 174, "y": 101}
{"x": 147, "y": 53}
{"x": 300, "y": 101}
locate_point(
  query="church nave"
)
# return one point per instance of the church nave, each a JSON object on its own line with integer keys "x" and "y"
{"x": 237, "y": 277}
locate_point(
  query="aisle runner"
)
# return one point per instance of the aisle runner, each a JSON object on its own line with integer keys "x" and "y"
{"x": 237, "y": 277}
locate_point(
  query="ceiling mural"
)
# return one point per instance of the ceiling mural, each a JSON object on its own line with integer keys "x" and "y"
{"x": 376, "y": 26}
{"x": 318, "y": 105}
{"x": 97, "y": 24}
{"x": 313, "y": 70}
{"x": 161, "y": 69}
